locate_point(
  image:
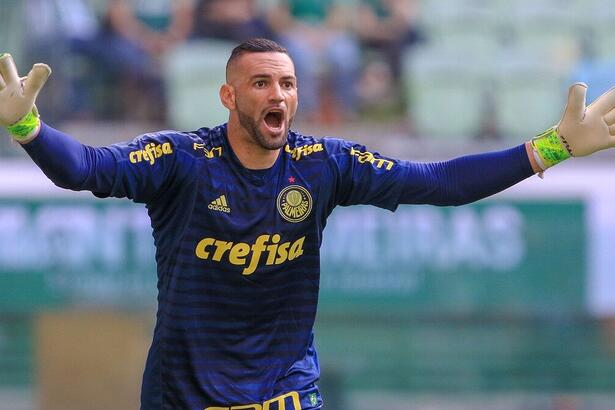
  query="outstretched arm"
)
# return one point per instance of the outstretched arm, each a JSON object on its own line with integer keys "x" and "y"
{"x": 581, "y": 131}
{"x": 70, "y": 164}
{"x": 465, "y": 179}
{"x": 363, "y": 177}
{"x": 389, "y": 182}
{"x": 142, "y": 170}
{"x": 63, "y": 159}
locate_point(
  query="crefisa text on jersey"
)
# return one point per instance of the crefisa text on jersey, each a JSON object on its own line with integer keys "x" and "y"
{"x": 242, "y": 254}
{"x": 305, "y": 150}
{"x": 150, "y": 153}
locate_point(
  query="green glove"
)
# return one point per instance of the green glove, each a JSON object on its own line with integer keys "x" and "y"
{"x": 581, "y": 131}
{"x": 17, "y": 96}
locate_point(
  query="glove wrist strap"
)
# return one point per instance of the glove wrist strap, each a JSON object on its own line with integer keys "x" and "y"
{"x": 26, "y": 127}
{"x": 549, "y": 149}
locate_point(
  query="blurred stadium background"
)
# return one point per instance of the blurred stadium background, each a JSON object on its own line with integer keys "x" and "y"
{"x": 505, "y": 304}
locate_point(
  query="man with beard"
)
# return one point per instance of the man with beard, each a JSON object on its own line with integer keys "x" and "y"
{"x": 238, "y": 212}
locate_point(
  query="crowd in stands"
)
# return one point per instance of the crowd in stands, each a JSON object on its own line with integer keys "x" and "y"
{"x": 107, "y": 54}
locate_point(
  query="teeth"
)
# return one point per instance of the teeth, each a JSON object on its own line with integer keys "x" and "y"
{"x": 278, "y": 123}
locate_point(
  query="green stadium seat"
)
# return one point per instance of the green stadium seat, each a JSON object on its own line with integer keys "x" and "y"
{"x": 530, "y": 96}
{"x": 193, "y": 74}
{"x": 471, "y": 25}
{"x": 12, "y": 29}
{"x": 446, "y": 93}
{"x": 598, "y": 74}
{"x": 501, "y": 59}
{"x": 601, "y": 16}
{"x": 11, "y": 41}
{"x": 603, "y": 42}
{"x": 549, "y": 28}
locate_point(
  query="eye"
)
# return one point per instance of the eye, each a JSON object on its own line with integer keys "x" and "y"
{"x": 289, "y": 85}
{"x": 260, "y": 84}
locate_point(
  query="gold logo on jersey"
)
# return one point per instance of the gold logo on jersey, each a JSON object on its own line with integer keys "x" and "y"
{"x": 150, "y": 153}
{"x": 302, "y": 151}
{"x": 214, "y": 152}
{"x": 279, "y": 402}
{"x": 250, "y": 255}
{"x": 294, "y": 203}
{"x": 219, "y": 204}
{"x": 369, "y": 158}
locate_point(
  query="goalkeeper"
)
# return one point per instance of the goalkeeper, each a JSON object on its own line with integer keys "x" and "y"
{"x": 238, "y": 212}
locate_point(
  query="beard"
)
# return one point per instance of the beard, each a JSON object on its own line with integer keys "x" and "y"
{"x": 262, "y": 140}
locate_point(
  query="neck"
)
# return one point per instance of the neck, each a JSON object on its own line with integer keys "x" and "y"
{"x": 250, "y": 154}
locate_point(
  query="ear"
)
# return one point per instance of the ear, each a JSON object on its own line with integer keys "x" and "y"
{"x": 227, "y": 96}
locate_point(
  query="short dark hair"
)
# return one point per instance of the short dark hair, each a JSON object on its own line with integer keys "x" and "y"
{"x": 255, "y": 45}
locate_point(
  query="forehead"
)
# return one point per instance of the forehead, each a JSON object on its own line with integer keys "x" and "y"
{"x": 275, "y": 64}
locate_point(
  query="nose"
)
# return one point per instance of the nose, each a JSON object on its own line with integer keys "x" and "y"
{"x": 276, "y": 94}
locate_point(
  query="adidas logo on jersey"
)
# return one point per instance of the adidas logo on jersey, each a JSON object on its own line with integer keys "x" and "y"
{"x": 220, "y": 204}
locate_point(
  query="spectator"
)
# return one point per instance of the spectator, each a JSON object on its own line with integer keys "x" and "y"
{"x": 326, "y": 55}
{"x": 55, "y": 31}
{"x": 128, "y": 48}
{"x": 236, "y": 20}
{"x": 386, "y": 28}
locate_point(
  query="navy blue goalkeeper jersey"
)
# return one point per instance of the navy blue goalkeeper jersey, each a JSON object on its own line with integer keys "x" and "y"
{"x": 237, "y": 250}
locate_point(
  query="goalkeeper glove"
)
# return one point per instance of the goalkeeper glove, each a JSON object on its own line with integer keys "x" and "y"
{"x": 581, "y": 131}
{"x": 17, "y": 96}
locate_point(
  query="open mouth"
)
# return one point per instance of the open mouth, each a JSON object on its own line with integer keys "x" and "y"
{"x": 273, "y": 119}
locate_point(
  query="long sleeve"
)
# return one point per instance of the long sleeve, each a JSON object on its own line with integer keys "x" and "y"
{"x": 465, "y": 179}
{"x": 363, "y": 177}
{"x": 70, "y": 164}
{"x": 142, "y": 169}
